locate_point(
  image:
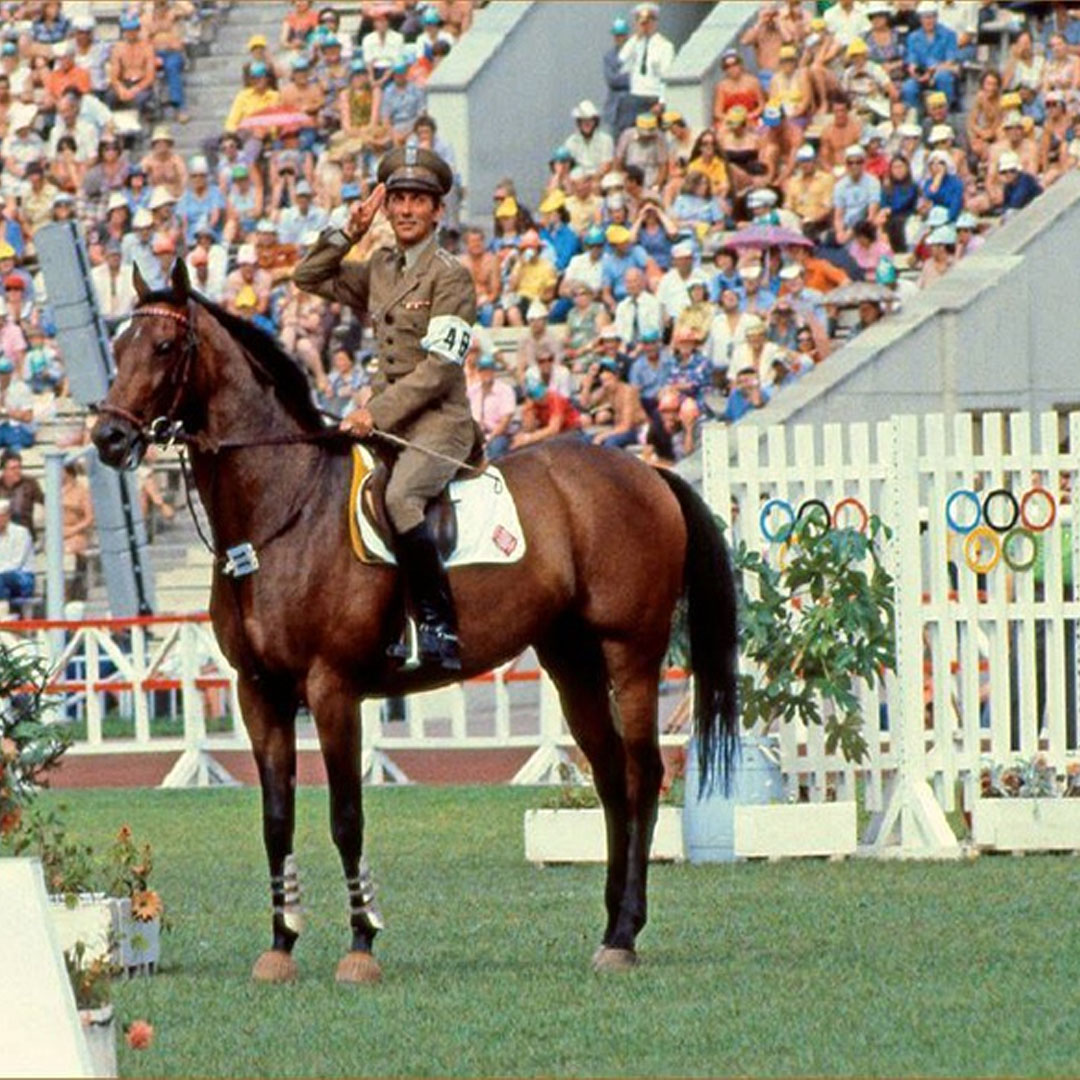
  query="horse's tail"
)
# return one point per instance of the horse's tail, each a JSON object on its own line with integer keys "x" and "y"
{"x": 713, "y": 632}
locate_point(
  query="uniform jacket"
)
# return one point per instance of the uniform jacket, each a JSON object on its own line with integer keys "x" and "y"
{"x": 417, "y": 394}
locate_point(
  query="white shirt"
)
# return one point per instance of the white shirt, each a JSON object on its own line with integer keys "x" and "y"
{"x": 723, "y": 341}
{"x": 962, "y": 18}
{"x": 673, "y": 292}
{"x": 115, "y": 297}
{"x": 85, "y": 135}
{"x": 657, "y": 53}
{"x": 650, "y": 316}
{"x": 217, "y": 267}
{"x": 847, "y": 25}
{"x": 586, "y": 269}
{"x": 16, "y": 548}
{"x": 375, "y": 48}
{"x": 591, "y": 154}
{"x": 770, "y": 351}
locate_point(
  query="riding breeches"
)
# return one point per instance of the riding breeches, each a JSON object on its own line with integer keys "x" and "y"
{"x": 416, "y": 478}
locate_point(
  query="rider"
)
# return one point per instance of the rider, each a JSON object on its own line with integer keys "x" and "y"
{"x": 422, "y": 305}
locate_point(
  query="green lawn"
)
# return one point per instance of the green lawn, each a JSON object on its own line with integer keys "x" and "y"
{"x": 768, "y": 969}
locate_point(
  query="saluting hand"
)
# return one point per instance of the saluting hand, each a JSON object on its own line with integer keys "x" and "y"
{"x": 363, "y": 213}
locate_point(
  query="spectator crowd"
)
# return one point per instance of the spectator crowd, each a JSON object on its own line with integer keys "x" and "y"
{"x": 855, "y": 152}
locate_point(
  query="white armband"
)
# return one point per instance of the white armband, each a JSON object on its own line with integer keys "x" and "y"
{"x": 448, "y": 337}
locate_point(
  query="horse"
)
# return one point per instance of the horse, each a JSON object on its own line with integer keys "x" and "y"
{"x": 612, "y": 545}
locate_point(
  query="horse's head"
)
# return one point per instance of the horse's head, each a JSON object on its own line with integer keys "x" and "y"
{"x": 154, "y": 359}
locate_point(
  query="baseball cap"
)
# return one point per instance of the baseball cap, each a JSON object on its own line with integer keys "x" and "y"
{"x": 645, "y": 121}
{"x": 239, "y": 172}
{"x": 256, "y": 41}
{"x": 536, "y": 310}
{"x": 939, "y": 133}
{"x": 163, "y": 244}
{"x": 855, "y": 153}
{"x": 943, "y": 234}
{"x": 620, "y": 26}
{"x": 258, "y": 70}
{"x": 1009, "y": 162}
{"x": 486, "y": 363}
{"x": 649, "y": 336}
{"x": 300, "y": 63}
{"x": 594, "y": 236}
{"x": 1013, "y": 118}
{"x": 6, "y": 368}
{"x": 618, "y": 234}
{"x": 350, "y": 191}
{"x": 966, "y": 220}
{"x": 357, "y": 65}
{"x": 772, "y": 116}
{"x": 682, "y": 250}
{"x": 788, "y": 52}
{"x": 130, "y": 21}
{"x": 553, "y": 200}
{"x": 806, "y": 152}
{"x": 246, "y": 255}
{"x": 885, "y": 273}
{"x": 303, "y": 187}
{"x": 6, "y": 250}
{"x": 937, "y": 215}
{"x": 507, "y": 208}
{"x": 13, "y": 281}
{"x": 585, "y": 110}
{"x": 198, "y": 166}
{"x": 266, "y": 227}
{"x": 858, "y": 47}
{"x": 143, "y": 219}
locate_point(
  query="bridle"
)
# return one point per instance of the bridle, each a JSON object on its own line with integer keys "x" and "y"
{"x": 166, "y": 429}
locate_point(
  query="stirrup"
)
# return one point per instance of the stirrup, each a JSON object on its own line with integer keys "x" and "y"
{"x": 407, "y": 650}
{"x": 440, "y": 647}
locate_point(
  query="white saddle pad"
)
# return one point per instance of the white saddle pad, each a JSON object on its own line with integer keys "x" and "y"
{"x": 488, "y": 527}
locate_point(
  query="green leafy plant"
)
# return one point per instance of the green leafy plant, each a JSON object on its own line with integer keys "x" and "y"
{"x": 819, "y": 626}
{"x": 91, "y": 980}
{"x": 69, "y": 867}
{"x": 128, "y": 868}
{"x": 1029, "y": 778}
{"x": 29, "y": 747}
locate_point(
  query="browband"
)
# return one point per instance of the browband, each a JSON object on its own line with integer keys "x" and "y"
{"x": 164, "y": 313}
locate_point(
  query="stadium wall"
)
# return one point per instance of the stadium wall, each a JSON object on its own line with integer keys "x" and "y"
{"x": 503, "y": 97}
{"x": 996, "y": 332}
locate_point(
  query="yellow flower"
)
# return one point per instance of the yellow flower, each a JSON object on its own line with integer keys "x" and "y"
{"x": 146, "y": 906}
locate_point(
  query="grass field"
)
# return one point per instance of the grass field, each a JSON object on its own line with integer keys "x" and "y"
{"x": 765, "y": 969}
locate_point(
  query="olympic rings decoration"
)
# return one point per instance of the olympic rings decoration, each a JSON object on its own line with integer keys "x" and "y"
{"x": 843, "y": 504}
{"x": 807, "y": 513}
{"x": 976, "y": 538}
{"x": 817, "y": 510}
{"x": 1014, "y": 507}
{"x": 1025, "y": 509}
{"x": 782, "y": 533}
{"x": 968, "y": 496}
{"x": 1009, "y": 542}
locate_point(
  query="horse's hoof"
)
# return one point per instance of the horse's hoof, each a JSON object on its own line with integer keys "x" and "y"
{"x": 274, "y": 966}
{"x": 607, "y": 959}
{"x": 358, "y": 967}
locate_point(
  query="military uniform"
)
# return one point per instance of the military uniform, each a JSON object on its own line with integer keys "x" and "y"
{"x": 417, "y": 394}
{"x": 422, "y": 304}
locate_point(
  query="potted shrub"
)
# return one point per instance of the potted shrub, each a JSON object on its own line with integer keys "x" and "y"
{"x": 91, "y": 983}
{"x": 1027, "y": 806}
{"x": 104, "y": 903}
{"x": 815, "y": 627}
{"x": 569, "y": 826}
{"x": 140, "y": 911}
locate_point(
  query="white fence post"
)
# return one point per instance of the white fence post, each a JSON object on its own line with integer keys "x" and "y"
{"x": 912, "y": 823}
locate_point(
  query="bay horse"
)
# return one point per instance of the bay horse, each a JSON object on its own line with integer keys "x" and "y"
{"x": 611, "y": 546}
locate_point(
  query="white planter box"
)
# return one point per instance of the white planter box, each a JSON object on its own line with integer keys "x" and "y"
{"x": 92, "y": 920}
{"x": 99, "y": 1029}
{"x": 95, "y": 919}
{"x": 786, "y": 830}
{"x": 574, "y": 836}
{"x": 1026, "y": 824}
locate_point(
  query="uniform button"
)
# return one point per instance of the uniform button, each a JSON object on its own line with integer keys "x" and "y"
{"x": 389, "y": 318}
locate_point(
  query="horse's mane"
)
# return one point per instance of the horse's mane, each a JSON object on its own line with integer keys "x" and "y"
{"x": 288, "y": 380}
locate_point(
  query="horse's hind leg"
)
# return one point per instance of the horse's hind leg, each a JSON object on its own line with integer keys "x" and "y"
{"x": 270, "y": 718}
{"x": 336, "y": 707}
{"x": 571, "y": 656}
{"x": 635, "y": 681}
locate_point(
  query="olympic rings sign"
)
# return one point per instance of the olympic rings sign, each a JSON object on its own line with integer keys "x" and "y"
{"x": 814, "y": 511}
{"x": 990, "y": 530}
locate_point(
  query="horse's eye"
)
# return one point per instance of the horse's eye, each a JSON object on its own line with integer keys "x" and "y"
{"x": 163, "y": 348}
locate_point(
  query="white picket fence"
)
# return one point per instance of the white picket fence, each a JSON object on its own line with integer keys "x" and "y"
{"x": 161, "y": 684}
{"x": 986, "y": 666}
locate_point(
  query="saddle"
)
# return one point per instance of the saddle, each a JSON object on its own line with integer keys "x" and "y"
{"x": 440, "y": 513}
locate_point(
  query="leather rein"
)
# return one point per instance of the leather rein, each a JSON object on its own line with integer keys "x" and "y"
{"x": 166, "y": 430}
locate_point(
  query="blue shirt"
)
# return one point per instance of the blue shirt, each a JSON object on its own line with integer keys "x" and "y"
{"x": 950, "y": 194}
{"x": 401, "y": 105}
{"x": 738, "y": 405}
{"x": 192, "y": 207}
{"x": 651, "y": 380}
{"x": 1021, "y": 191}
{"x": 613, "y": 267}
{"x": 564, "y": 244}
{"x": 925, "y": 52}
{"x": 854, "y": 198}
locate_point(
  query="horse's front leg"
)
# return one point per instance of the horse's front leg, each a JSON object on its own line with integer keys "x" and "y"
{"x": 270, "y": 718}
{"x": 336, "y": 708}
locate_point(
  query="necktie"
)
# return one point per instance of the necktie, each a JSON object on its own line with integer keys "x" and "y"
{"x": 644, "y": 69}
{"x": 636, "y": 333}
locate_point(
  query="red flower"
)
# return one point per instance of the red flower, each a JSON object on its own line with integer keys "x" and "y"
{"x": 140, "y": 1034}
{"x": 9, "y": 822}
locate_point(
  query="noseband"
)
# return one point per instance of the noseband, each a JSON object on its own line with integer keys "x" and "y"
{"x": 166, "y": 429}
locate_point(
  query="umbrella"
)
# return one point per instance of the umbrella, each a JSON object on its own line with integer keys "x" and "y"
{"x": 276, "y": 117}
{"x": 766, "y": 236}
{"x": 854, "y": 294}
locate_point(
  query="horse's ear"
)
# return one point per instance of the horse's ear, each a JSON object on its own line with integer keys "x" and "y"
{"x": 181, "y": 283}
{"x": 142, "y": 290}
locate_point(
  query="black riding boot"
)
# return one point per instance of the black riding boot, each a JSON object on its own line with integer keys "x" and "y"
{"x": 432, "y": 604}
